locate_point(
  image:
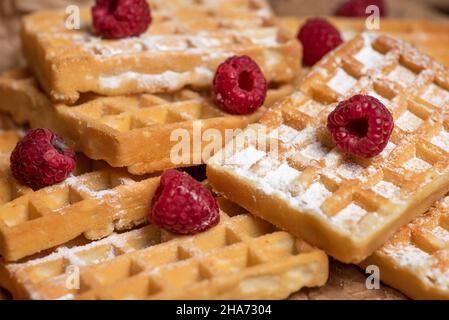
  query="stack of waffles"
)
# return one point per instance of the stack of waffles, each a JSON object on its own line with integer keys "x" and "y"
{"x": 355, "y": 209}
{"x": 117, "y": 102}
{"x": 288, "y": 197}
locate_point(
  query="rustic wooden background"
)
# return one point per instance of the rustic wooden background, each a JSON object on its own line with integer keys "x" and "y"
{"x": 346, "y": 282}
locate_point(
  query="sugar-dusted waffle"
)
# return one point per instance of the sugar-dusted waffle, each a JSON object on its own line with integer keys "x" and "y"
{"x": 426, "y": 35}
{"x": 416, "y": 259}
{"x": 183, "y": 47}
{"x": 93, "y": 202}
{"x": 303, "y": 184}
{"x": 133, "y": 132}
{"x": 241, "y": 258}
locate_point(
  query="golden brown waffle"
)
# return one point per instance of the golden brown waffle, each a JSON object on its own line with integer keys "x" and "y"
{"x": 94, "y": 202}
{"x": 183, "y": 47}
{"x": 133, "y": 132}
{"x": 347, "y": 206}
{"x": 416, "y": 259}
{"x": 428, "y": 36}
{"x": 242, "y": 258}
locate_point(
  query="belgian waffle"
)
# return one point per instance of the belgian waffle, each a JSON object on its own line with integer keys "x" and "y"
{"x": 416, "y": 259}
{"x": 183, "y": 47}
{"x": 426, "y": 35}
{"x": 347, "y": 206}
{"x": 242, "y": 258}
{"x": 133, "y": 132}
{"x": 94, "y": 201}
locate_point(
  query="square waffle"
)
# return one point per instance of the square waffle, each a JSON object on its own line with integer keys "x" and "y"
{"x": 127, "y": 131}
{"x": 183, "y": 47}
{"x": 426, "y": 35}
{"x": 94, "y": 201}
{"x": 241, "y": 258}
{"x": 416, "y": 259}
{"x": 93, "y": 204}
{"x": 347, "y": 206}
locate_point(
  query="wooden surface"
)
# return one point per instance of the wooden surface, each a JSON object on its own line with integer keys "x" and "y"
{"x": 3, "y": 295}
{"x": 347, "y": 282}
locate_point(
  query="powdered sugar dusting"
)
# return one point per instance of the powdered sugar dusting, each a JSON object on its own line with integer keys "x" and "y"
{"x": 304, "y": 135}
{"x": 314, "y": 197}
{"x": 436, "y": 95}
{"x": 442, "y": 140}
{"x": 76, "y": 184}
{"x": 407, "y": 255}
{"x": 408, "y": 122}
{"x": 441, "y": 233}
{"x": 350, "y": 170}
{"x": 245, "y": 158}
{"x": 427, "y": 267}
{"x": 416, "y": 164}
{"x": 402, "y": 75}
{"x": 388, "y": 149}
{"x": 350, "y": 215}
{"x": 168, "y": 80}
{"x": 369, "y": 57}
{"x": 282, "y": 177}
{"x": 311, "y": 108}
{"x": 315, "y": 151}
{"x": 342, "y": 82}
{"x": 285, "y": 133}
{"x": 387, "y": 189}
{"x": 384, "y": 101}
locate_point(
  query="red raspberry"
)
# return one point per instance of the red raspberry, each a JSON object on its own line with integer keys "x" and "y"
{"x": 240, "y": 86}
{"x": 115, "y": 19}
{"x": 41, "y": 159}
{"x": 361, "y": 126}
{"x": 357, "y": 8}
{"x": 318, "y": 37}
{"x": 182, "y": 205}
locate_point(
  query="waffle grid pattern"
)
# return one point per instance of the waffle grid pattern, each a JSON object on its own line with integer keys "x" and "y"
{"x": 427, "y": 36}
{"x": 133, "y": 132}
{"x": 183, "y": 47}
{"x": 416, "y": 259}
{"x": 357, "y": 202}
{"x": 94, "y": 202}
{"x": 242, "y": 258}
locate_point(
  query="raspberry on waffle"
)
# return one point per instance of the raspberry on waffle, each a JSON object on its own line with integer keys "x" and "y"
{"x": 131, "y": 131}
{"x": 347, "y": 206}
{"x": 241, "y": 258}
{"x": 426, "y": 35}
{"x": 94, "y": 201}
{"x": 182, "y": 47}
{"x": 416, "y": 259}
